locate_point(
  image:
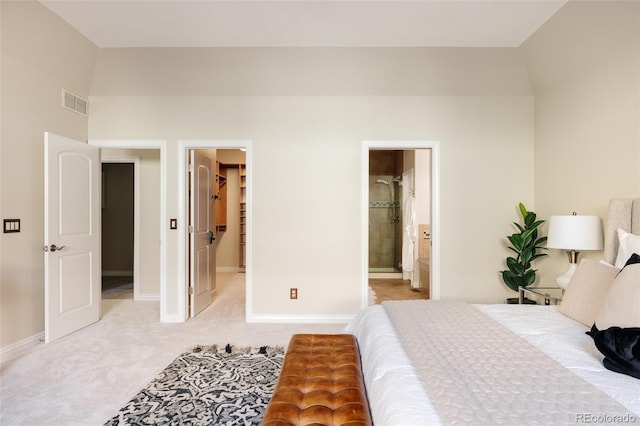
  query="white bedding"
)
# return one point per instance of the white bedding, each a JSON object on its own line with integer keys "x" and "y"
{"x": 396, "y": 394}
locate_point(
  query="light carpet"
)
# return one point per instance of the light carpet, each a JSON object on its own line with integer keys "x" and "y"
{"x": 86, "y": 377}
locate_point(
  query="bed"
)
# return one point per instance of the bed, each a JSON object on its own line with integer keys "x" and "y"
{"x": 432, "y": 363}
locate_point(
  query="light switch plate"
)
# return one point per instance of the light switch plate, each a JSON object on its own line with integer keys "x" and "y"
{"x": 11, "y": 226}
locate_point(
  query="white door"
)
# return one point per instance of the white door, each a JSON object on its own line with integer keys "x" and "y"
{"x": 71, "y": 235}
{"x": 201, "y": 271}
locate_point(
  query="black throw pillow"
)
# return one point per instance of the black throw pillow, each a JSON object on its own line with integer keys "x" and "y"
{"x": 633, "y": 259}
{"x": 620, "y": 347}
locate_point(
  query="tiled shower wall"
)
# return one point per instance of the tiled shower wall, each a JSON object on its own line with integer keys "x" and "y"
{"x": 385, "y": 214}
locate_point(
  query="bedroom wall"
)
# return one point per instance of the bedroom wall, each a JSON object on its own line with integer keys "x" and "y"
{"x": 307, "y": 112}
{"x": 312, "y": 108}
{"x": 40, "y": 55}
{"x": 584, "y": 65}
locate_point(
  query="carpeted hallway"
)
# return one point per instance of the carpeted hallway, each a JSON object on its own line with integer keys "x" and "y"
{"x": 86, "y": 377}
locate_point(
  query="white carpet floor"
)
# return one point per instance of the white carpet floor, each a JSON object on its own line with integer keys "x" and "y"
{"x": 86, "y": 377}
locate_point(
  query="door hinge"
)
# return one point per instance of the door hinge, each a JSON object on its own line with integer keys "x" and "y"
{"x": 190, "y": 167}
{"x": 190, "y": 290}
{"x": 191, "y": 229}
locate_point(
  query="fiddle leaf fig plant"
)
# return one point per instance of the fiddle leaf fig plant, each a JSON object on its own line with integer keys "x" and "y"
{"x": 526, "y": 245}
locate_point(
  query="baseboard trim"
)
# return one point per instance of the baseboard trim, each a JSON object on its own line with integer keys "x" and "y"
{"x": 227, "y": 269}
{"x": 301, "y": 319}
{"x": 172, "y": 318}
{"x": 117, "y": 273}
{"x": 17, "y": 349}
{"x": 147, "y": 298}
{"x": 385, "y": 275}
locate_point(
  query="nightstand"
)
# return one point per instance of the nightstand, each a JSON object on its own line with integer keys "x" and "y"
{"x": 551, "y": 295}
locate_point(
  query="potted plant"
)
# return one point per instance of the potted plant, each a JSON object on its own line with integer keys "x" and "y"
{"x": 526, "y": 245}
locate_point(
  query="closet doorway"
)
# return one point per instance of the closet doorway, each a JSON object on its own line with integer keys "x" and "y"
{"x": 131, "y": 216}
{"x": 118, "y": 195}
{"x": 222, "y": 233}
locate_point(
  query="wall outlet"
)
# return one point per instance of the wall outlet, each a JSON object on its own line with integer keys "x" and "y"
{"x": 293, "y": 293}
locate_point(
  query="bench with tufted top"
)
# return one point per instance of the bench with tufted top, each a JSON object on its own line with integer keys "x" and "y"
{"x": 320, "y": 384}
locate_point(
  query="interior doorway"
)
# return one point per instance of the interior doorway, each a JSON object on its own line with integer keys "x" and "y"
{"x": 133, "y": 233}
{"x": 155, "y": 231}
{"x": 400, "y": 213}
{"x": 217, "y": 221}
{"x": 117, "y": 206}
{"x": 225, "y": 169}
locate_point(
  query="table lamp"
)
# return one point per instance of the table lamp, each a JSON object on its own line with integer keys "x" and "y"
{"x": 574, "y": 233}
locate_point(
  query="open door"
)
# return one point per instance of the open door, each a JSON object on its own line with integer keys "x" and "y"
{"x": 71, "y": 235}
{"x": 201, "y": 249}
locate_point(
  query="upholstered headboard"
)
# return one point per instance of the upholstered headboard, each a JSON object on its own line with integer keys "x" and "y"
{"x": 623, "y": 214}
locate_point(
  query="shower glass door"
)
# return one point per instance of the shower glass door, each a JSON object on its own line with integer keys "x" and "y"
{"x": 385, "y": 215}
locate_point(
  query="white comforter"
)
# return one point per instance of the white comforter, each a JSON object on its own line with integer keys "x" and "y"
{"x": 396, "y": 394}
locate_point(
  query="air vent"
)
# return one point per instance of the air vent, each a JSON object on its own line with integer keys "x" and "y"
{"x": 74, "y": 102}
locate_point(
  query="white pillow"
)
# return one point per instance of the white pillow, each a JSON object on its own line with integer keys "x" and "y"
{"x": 587, "y": 289}
{"x": 627, "y": 245}
{"x": 621, "y": 307}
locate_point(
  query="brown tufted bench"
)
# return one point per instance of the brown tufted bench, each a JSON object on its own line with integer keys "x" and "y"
{"x": 320, "y": 384}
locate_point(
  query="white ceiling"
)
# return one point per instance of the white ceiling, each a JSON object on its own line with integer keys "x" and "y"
{"x": 240, "y": 23}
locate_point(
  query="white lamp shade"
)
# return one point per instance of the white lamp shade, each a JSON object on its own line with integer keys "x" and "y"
{"x": 575, "y": 233}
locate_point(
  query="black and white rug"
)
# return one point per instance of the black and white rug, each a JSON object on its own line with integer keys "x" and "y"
{"x": 209, "y": 385}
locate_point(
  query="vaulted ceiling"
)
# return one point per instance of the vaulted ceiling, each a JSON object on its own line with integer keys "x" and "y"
{"x": 331, "y": 23}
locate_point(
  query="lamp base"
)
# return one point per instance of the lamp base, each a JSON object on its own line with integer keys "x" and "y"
{"x": 563, "y": 280}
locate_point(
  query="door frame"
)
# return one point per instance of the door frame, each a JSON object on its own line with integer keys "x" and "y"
{"x": 162, "y": 146}
{"x": 132, "y": 159}
{"x": 434, "y": 269}
{"x": 182, "y": 208}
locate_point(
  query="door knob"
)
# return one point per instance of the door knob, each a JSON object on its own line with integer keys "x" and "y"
{"x": 53, "y": 248}
{"x": 211, "y": 237}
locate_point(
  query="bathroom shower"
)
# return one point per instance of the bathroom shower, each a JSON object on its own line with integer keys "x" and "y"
{"x": 385, "y": 212}
{"x": 396, "y": 179}
{"x": 394, "y": 217}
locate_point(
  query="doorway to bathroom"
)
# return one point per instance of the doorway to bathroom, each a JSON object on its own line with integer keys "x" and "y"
{"x": 400, "y": 189}
{"x": 385, "y": 213}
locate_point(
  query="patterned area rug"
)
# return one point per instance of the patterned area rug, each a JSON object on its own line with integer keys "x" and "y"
{"x": 209, "y": 385}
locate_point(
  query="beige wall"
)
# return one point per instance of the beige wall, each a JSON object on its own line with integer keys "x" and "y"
{"x": 423, "y": 185}
{"x": 309, "y": 72}
{"x": 585, "y": 67}
{"x": 41, "y": 55}
{"x": 308, "y": 111}
{"x": 232, "y": 156}
{"x": 307, "y": 151}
